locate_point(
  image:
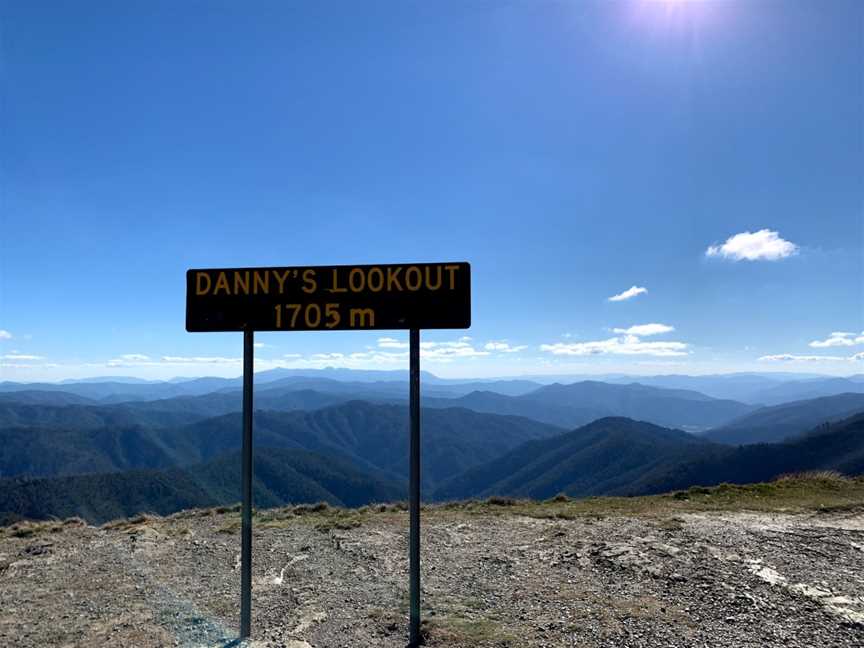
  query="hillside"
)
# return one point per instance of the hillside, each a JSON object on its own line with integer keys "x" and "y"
{"x": 772, "y": 424}
{"x": 42, "y": 452}
{"x": 810, "y": 388}
{"x": 836, "y": 446}
{"x": 82, "y": 417}
{"x": 601, "y": 457}
{"x": 624, "y": 457}
{"x": 373, "y": 436}
{"x": 579, "y": 403}
{"x": 281, "y": 477}
{"x": 44, "y": 397}
{"x": 764, "y": 565}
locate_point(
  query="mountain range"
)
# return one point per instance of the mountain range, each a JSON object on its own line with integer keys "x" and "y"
{"x": 280, "y": 477}
{"x": 342, "y": 437}
{"x": 625, "y": 457}
{"x": 771, "y": 424}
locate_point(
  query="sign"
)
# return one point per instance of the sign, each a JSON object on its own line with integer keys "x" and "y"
{"x": 330, "y": 298}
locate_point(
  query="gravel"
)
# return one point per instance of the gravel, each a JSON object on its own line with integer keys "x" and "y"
{"x": 736, "y": 579}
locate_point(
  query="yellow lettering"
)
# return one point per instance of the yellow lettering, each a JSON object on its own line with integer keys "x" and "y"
{"x": 375, "y": 272}
{"x": 452, "y": 270}
{"x": 241, "y": 280}
{"x": 262, "y": 281}
{"x": 356, "y": 272}
{"x": 419, "y": 277}
{"x": 222, "y": 284}
{"x": 429, "y": 278}
{"x": 313, "y": 321}
{"x": 199, "y": 288}
{"x": 393, "y": 278}
{"x": 281, "y": 279}
{"x": 336, "y": 288}
{"x": 361, "y": 315}
{"x": 310, "y": 284}
{"x": 296, "y": 309}
{"x": 332, "y": 311}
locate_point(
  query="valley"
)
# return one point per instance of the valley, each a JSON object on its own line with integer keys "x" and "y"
{"x": 103, "y": 450}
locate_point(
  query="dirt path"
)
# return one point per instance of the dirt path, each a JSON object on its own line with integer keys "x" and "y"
{"x": 694, "y": 579}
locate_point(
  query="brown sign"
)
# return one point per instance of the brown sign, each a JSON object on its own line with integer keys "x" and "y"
{"x": 330, "y": 298}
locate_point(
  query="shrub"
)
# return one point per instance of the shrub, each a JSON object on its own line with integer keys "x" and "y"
{"x": 496, "y": 500}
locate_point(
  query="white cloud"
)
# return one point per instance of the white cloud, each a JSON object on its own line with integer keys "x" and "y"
{"x": 200, "y": 360}
{"x": 16, "y": 365}
{"x": 642, "y": 330}
{"x": 630, "y": 293}
{"x": 261, "y": 345}
{"x": 764, "y": 245}
{"x": 5, "y": 335}
{"x": 434, "y": 351}
{"x": 135, "y": 357}
{"x": 624, "y": 345}
{"x": 791, "y": 357}
{"x": 21, "y": 356}
{"x": 504, "y": 347}
{"x": 391, "y": 343}
{"x": 292, "y": 355}
{"x": 839, "y": 339}
{"x": 449, "y": 351}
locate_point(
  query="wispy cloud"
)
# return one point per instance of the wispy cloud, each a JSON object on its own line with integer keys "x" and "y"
{"x": 764, "y": 245}
{"x": 630, "y": 293}
{"x": 791, "y": 357}
{"x": 135, "y": 357}
{"x": 434, "y": 351}
{"x": 449, "y": 351}
{"x": 623, "y": 345}
{"x": 200, "y": 360}
{"x": 21, "y": 356}
{"x": 5, "y": 335}
{"x": 29, "y": 366}
{"x": 502, "y": 346}
{"x": 839, "y": 339}
{"x": 642, "y": 330}
{"x": 391, "y": 343}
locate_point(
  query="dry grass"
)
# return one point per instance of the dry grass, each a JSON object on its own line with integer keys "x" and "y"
{"x": 820, "y": 491}
{"x": 812, "y": 491}
{"x": 128, "y": 523}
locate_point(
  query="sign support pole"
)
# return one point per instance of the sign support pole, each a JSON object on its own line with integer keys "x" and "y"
{"x": 414, "y": 489}
{"x": 246, "y": 478}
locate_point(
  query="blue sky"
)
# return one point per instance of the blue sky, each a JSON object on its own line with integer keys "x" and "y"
{"x": 709, "y": 152}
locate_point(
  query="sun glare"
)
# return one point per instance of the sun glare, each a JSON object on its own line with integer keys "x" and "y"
{"x": 674, "y": 14}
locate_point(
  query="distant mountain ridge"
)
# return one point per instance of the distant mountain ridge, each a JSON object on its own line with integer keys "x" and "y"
{"x": 576, "y": 404}
{"x": 779, "y": 422}
{"x": 624, "y": 457}
{"x": 373, "y": 436}
{"x": 280, "y": 477}
{"x": 769, "y": 388}
{"x": 605, "y": 455}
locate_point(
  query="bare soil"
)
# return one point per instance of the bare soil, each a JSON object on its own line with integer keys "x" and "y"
{"x": 497, "y": 576}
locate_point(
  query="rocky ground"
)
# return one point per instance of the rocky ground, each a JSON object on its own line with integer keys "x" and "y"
{"x": 669, "y": 573}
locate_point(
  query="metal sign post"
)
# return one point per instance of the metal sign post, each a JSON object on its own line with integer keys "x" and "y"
{"x": 246, "y": 481}
{"x": 331, "y": 298}
{"x": 414, "y": 489}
